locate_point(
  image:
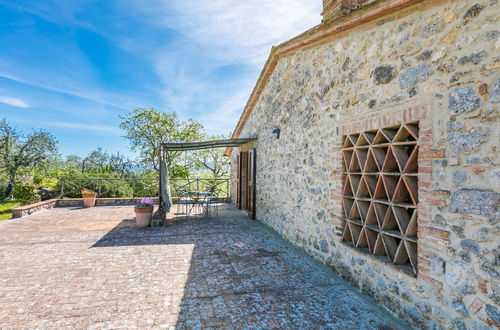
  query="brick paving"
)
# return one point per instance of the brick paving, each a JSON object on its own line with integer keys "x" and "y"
{"x": 92, "y": 268}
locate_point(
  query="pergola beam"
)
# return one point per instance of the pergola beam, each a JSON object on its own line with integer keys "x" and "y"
{"x": 187, "y": 146}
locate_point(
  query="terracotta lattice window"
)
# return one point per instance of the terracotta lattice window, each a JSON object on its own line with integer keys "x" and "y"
{"x": 380, "y": 193}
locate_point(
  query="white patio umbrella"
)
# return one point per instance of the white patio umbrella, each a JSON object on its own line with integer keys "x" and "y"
{"x": 166, "y": 196}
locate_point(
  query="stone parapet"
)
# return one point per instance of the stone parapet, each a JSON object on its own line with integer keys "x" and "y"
{"x": 78, "y": 202}
{"x": 22, "y": 211}
{"x": 100, "y": 201}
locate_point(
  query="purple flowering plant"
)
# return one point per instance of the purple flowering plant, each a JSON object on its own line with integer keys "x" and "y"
{"x": 145, "y": 202}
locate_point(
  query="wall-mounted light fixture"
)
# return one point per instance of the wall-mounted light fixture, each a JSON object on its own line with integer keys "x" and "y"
{"x": 276, "y": 132}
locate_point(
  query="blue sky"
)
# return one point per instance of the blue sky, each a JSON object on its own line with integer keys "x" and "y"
{"x": 72, "y": 67}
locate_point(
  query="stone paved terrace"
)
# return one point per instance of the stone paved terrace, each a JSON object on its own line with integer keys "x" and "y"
{"x": 92, "y": 268}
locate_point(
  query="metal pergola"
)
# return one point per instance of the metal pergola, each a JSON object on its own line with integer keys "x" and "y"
{"x": 190, "y": 146}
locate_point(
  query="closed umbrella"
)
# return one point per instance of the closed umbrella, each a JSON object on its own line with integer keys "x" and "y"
{"x": 166, "y": 197}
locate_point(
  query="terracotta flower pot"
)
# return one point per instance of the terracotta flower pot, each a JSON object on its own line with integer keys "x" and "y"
{"x": 143, "y": 215}
{"x": 89, "y": 200}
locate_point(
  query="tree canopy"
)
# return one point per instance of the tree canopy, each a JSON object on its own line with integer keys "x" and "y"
{"x": 32, "y": 157}
{"x": 213, "y": 160}
{"x": 147, "y": 129}
{"x": 19, "y": 150}
{"x": 100, "y": 161}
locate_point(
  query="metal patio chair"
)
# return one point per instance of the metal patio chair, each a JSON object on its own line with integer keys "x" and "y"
{"x": 211, "y": 201}
{"x": 186, "y": 200}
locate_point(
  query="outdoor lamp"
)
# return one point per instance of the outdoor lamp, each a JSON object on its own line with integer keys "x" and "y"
{"x": 276, "y": 132}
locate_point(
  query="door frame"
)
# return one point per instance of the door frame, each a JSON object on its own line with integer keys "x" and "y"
{"x": 252, "y": 162}
{"x": 247, "y": 161}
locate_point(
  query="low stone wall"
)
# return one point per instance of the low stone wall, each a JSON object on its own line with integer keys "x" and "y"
{"x": 66, "y": 202}
{"x": 32, "y": 208}
{"x": 70, "y": 202}
{"x": 78, "y": 202}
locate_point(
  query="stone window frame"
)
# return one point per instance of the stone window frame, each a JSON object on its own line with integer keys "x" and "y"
{"x": 430, "y": 239}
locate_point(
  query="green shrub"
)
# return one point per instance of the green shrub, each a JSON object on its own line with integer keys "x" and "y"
{"x": 25, "y": 193}
{"x": 3, "y": 188}
{"x": 111, "y": 185}
{"x": 38, "y": 180}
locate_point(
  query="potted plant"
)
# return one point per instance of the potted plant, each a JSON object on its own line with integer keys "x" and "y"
{"x": 88, "y": 198}
{"x": 143, "y": 212}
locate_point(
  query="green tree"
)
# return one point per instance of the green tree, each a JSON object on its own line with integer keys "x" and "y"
{"x": 147, "y": 129}
{"x": 120, "y": 164}
{"x": 19, "y": 151}
{"x": 95, "y": 161}
{"x": 98, "y": 161}
{"x": 213, "y": 161}
{"x": 74, "y": 163}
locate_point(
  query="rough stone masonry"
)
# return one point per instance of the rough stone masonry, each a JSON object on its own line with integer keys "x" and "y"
{"x": 371, "y": 65}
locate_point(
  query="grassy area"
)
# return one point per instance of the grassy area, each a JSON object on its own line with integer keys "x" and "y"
{"x": 6, "y": 207}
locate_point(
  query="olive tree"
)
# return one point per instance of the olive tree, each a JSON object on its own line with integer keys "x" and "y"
{"x": 18, "y": 150}
{"x": 213, "y": 160}
{"x": 147, "y": 129}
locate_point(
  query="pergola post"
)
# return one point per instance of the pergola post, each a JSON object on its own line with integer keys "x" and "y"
{"x": 160, "y": 215}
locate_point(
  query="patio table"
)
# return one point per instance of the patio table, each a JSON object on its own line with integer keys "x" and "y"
{"x": 202, "y": 200}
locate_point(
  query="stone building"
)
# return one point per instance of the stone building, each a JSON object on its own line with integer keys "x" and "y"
{"x": 376, "y": 152}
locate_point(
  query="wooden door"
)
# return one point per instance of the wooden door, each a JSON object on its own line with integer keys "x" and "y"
{"x": 243, "y": 178}
{"x": 252, "y": 161}
{"x": 238, "y": 182}
{"x": 246, "y": 182}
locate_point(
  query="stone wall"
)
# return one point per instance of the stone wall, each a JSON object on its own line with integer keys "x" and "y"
{"x": 437, "y": 62}
{"x": 26, "y": 210}
{"x": 23, "y": 211}
{"x": 68, "y": 202}
{"x": 78, "y": 202}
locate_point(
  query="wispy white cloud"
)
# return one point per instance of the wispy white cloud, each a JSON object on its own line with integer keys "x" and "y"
{"x": 83, "y": 93}
{"x": 68, "y": 125}
{"x": 217, "y": 34}
{"x": 222, "y": 119}
{"x": 14, "y": 102}
{"x": 207, "y": 54}
{"x": 71, "y": 125}
{"x": 235, "y": 30}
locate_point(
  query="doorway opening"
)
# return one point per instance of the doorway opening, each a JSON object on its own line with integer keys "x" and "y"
{"x": 246, "y": 182}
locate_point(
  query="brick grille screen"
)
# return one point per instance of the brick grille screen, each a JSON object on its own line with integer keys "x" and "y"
{"x": 380, "y": 194}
